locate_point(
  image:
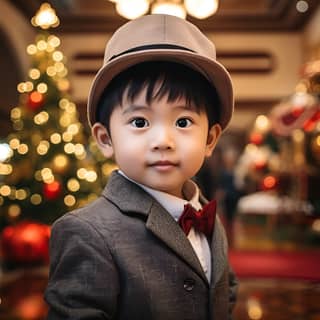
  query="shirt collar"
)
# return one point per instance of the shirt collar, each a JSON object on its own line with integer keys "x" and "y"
{"x": 174, "y": 205}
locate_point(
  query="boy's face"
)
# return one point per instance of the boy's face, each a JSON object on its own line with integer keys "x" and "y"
{"x": 160, "y": 145}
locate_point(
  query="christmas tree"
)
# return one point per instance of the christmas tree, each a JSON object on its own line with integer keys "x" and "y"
{"x": 47, "y": 166}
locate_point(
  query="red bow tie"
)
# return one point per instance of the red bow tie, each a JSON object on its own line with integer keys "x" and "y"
{"x": 202, "y": 220}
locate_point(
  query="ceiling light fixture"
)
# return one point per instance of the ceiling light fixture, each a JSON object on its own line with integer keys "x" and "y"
{"x": 200, "y": 9}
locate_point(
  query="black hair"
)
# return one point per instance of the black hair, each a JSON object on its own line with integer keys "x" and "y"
{"x": 176, "y": 80}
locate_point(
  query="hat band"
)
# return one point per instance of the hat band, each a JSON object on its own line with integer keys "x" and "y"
{"x": 151, "y": 47}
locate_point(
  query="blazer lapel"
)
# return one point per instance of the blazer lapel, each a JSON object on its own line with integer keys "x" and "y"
{"x": 131, "y": 199}
{"x": 161, "y": 224}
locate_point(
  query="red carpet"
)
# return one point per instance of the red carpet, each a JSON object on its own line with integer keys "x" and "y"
{"x": 279, "y": 264}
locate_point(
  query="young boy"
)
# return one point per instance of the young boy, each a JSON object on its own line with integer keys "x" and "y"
{"x": 158, "y": 106}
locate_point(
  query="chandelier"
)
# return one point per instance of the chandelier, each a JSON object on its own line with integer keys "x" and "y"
{"x": 200, "y": 9}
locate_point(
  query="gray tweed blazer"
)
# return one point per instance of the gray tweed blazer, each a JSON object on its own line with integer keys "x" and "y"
{"x": 124, "y": 257}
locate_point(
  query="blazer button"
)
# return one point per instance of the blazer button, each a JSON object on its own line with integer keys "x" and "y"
{"x": 188, "y": 284}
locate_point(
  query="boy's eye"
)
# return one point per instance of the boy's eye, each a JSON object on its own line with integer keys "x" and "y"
{"x": 183, "y": 123}
{"x": 139, "y": 123}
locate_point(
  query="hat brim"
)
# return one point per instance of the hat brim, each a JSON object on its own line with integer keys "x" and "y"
{"x": 211, "y": 69}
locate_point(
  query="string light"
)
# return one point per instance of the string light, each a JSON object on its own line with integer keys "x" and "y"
{"x": 51, "y": 71}
{"x": 14, "y": 211}
{"x": 55, "y": 138}
{"x": 91, "y": 176}
{"x": 14, "y": 143}
{"x": 47, "y": 175}
{"x": 81, "y": 173}
{"x": 36, "y": 199}
{"x": 32, "y": 49}
{"x": 43, "y": 147}
{"x": 73, "y": 185}
{"x": 23, "y": 148}
{"x": 60, "y": 162}
{"x": 38, "y": 175}
{"x": 54, "y": 41}
{"x": 15, "y": 114}
{"x": 21, "y": 194}
{"x": 5, "y": 190}
{"x": 67, "y": 137}
{"x": 42, "y": 87}
{"x": 63, "y": 103}
{"x": 41, "y": 118}
{"x": 65, "y": 120}
{"x": 70, "y": 108}
{"x": 79, "y": 149}
{"x": 34, "y": 74}
{"x": 41, "y": 45}
{"x": 69, "y": 148}
{"x": 69, "y": 200}
{"x": 57, "y": 56}
{"x": 5, "y": 169}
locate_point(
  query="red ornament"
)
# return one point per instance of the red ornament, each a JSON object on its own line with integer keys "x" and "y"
{"x": 269, "y": 183}
{"x": 52, "y": 190}
{"x": 256, "y": 138}
{"x": 35, "y": 100}
{"x": 26, "y": 242}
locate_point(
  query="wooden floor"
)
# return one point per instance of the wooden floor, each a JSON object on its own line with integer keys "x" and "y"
{"x": 21, "y": 291}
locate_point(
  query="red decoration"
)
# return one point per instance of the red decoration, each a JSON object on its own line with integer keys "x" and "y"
{"x": 26, "y": 242}
{"x": 260, "y": 165}
{"x": 269, "y": 183}
{"x": 52, "y": 190}
{"x": 311, "y": 123}
{"x": 292, "y": 116}
{"x": 256, "y": 138}
{"x": 301, "y": 111}
{"x": 35, "y": 100}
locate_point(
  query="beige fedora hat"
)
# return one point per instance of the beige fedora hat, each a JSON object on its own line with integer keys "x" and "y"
{"x": 162, "y": 37}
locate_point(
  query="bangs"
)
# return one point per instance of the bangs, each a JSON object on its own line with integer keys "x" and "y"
{"x": 167, "y": 79}
{"x": 160, "y": 79}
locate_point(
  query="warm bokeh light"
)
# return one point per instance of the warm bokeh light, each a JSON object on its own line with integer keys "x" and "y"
{"x": 36, "y": 199}
{"x": 45, "y": 17}
{"x": 55, "y": 138}
{"x": 14, "y": 211}
{"x": 5, "y": 152}
{"x": 73, "y": 185}
{"x": 23, "y": 148}
{"x": 69, "y": 200}
{"x": 262, "y": 123}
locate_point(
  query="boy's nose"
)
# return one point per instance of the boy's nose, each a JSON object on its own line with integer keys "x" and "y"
{"x": 162, "y": 140}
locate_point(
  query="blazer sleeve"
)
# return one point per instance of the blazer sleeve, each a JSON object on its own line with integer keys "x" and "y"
{"x": 83, "y": 280}
{"x": 233, "y": 288}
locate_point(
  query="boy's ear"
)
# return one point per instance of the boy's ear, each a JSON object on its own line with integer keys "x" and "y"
{"x": 103, "y": 139}
{"x": 213, "y": 137}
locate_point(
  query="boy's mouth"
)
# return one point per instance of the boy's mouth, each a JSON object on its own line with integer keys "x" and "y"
{"x": 163, "y": 164}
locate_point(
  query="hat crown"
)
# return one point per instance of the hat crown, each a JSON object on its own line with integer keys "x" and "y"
{"x": 157, "y": 30}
